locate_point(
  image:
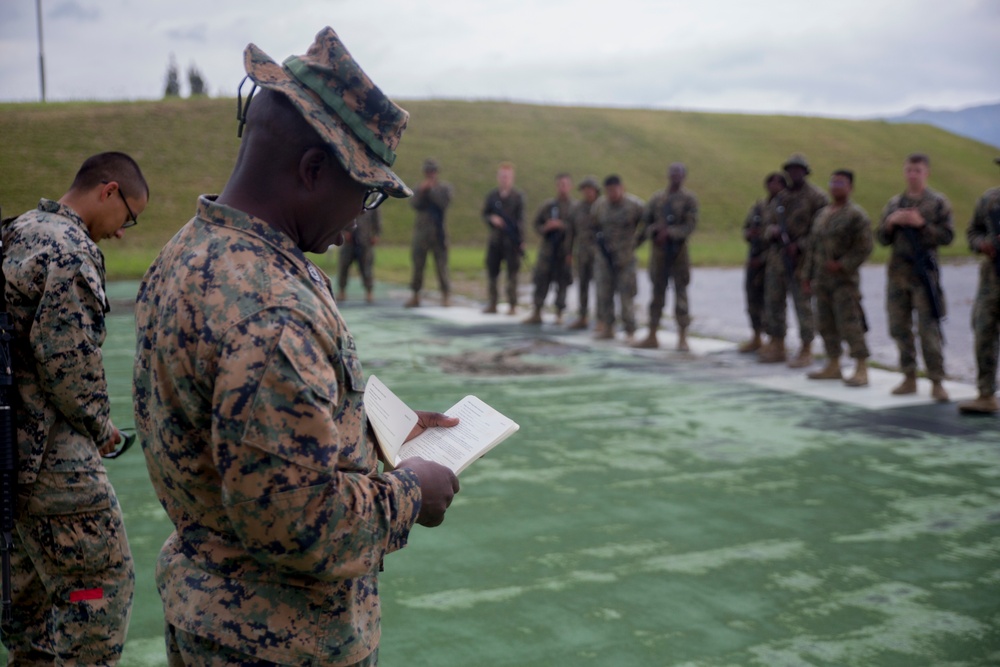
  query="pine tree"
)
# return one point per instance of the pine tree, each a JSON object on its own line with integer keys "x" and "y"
{"x": 173, "y": 87}
{"x": 196, "y": 81}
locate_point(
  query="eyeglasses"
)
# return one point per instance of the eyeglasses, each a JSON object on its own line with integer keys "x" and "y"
{"x": 132, "y": 219}
{"x": 374, "y": 198}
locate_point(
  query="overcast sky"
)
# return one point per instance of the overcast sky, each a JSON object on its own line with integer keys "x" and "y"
{"x": 851, "y": 58}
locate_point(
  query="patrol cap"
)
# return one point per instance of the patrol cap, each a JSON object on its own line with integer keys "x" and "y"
{"x": 613, "y": 179}
{"x": 797, "y": 160}
{"x": 349, "y": 112}
{"x": 430, "y": 164}
{"x": 589, "y": 182}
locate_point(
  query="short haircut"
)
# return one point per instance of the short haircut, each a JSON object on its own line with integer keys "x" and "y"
{"x": 563, "y": 174}
{"x": 846, "y": 173}
{"x": 775, "y": 176}
{"x": 505, "y": 165}
{"x": 917, "y": 158}
{"x": 613, "y": 179}
{"x": 111, "y": 166}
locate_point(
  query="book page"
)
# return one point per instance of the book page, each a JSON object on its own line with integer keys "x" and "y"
{"x": 391, "y": 418}
{"x": 480, "y": 428}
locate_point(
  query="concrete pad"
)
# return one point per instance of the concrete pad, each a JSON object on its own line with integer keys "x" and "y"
{"x": 876, "y": 396}
{"x": 472, "y": 316}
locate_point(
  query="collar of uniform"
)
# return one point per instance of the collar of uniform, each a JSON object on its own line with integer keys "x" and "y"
{"x": 52, "y": 206}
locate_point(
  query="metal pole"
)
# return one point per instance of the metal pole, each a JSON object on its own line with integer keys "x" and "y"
{"x": 41, "y": 55}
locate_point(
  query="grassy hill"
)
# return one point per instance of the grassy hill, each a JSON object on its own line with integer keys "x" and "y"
{"x": 187, "y": 147}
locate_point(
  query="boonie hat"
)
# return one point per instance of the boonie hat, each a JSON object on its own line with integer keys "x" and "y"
{"x": 430, "y": 164}
{"x": 589, "y": 182}
{"x": 349, "y": 112}
{"x": 797, "y": 160}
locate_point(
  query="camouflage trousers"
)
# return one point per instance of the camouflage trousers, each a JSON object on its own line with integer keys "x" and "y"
{"x": 551, "y": 268}
{"x": 776, "y": 290}
{"x": 583, "y": 265}
{"x": 986, "y": 327}
{"x": 185, "y": 650}
{"x": 753, "y": 285}
{"x": 427, "y": 239}
{"x": 502, "y": 252}
{"x": 72, "y": 574}
{"x": 364, "y": 255}
{"x": 680, "y": 274}
{"x": 904, "y": 295}
{"x": 840, "y": 318}
{"x": 610, "y": 284}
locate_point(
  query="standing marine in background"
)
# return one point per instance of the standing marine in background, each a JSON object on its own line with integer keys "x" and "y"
{"x": 430, "y": 233}
{"x": 669, "y": 219}
{"x": 984, "y": 238}
{"x": 790, "y": 218}
{"x": 753, "y": 234}
{"x": 359, "y": 246}
{"x": 915, "y": 223}
{"x": 841, "y": 241}
{"x": 618, "y": 215}
{"x": 555, "y": 253}
{"x": 584, "y": 226}
{"x": 503, "y": 213}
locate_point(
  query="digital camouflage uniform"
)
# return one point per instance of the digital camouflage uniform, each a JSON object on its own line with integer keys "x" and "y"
{"x": 72, "y": 570}
{"x": 248, "y": 397}
{"x": 796, "y": 209}
{"x": 430, "y": 235}
{"x": 617, "y": 224}
{"x": 502, "y": 247}
{"x": 985, "y": 226}
{"x": 361, "y": 249}
{"x": 843, "y": 235}
{"x": 753, "y": 282}
{"x": 904, "y": 291}
{"x": 554, "y": 253}
{"x": 584, "y": 226}
{"x": 678, "y": 212}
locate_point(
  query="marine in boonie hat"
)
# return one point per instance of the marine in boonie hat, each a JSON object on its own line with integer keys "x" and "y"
{"x": 797, "y": 160}
{"x": 349, "y": 112}
{"x": 589, "y": 182}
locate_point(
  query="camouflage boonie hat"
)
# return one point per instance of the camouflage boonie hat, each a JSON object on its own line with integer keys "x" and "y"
{"x": 356, "y": 120}
{"x": 430, "y": 164}
{"x": 797, "y": 160}
{"x": 589, "y": 182}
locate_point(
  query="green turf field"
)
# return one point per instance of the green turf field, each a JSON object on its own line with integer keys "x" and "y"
{"x": 660, "y": 512}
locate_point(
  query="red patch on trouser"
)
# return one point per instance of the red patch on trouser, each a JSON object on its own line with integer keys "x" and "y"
{"x": 87, "y": 594}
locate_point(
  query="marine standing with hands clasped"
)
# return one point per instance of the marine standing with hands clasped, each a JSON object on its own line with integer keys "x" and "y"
{"x": 71, "y": 566}
{"x": 915, "y": 223}
{"x": 753, "y": 234}
{"x": 555, "y": 255}
{"x": 359, "y": 246}
{"x": 841, "y": 241}
{"x": 618, "y": 215}
{"x": 430, "y": 233}
{"x": 249, "y": 391}
{"x": 503, "y": 213}
{"x": 984, "y": 238}
{"x": 584, "y": 228}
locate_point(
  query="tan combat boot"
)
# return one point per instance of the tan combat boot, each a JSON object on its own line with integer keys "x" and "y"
{"x": 803, "y": 358}
{"x": 752, "y": 345}
{"x": 773, "y": 352}
{"x": 445, "y": 301}
{"x": 578, "y": 324}
{"x": 558, "y": 317}
{"x": 985, "y": 404}
{"x": 603, "y": 331}
{"x": 682, "y": 340}
{"x": 938, "y": 392}
{"x": 491, "y": 308}
{"x": 650, "y": 342}
{"x": 907, "y": 386}
{"x": 829, "y": 372}
{"x": 512, "y": 310}
{"x": 369, "y": 297}
{"x": 413, "y": 302}
{"x": 341, "y": 295}
{"x": 860, "y": 377}
{"x": 534, "y": 318}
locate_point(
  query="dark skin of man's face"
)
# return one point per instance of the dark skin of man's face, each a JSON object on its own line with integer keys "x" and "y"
{"x": 797, "y": 175}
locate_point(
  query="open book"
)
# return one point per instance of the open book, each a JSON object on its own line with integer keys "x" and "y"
{"x": 480, "y": 428}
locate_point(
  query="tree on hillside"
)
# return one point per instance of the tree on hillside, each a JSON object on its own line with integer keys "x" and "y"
{"x": 196, "y": 81}
{"x": 173, "y": 85}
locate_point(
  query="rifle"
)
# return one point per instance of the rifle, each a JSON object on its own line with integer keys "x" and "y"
{"x": 510, "y": 228}
{"x": 8, "y": 452}
{"x": 555, "y": 238}
{"x": 671, "y": 247}
{"x": 602, "y": 245}
{"x": 995, "y": 223}
{"x": 786, "y": 242}
{"x": 756, "y": 244}
{"x": 925, "y": 265}
{"x": 437, "y": 217}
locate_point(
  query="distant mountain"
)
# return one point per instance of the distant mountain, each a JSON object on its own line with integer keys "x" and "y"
{"x": 981, "y": 123}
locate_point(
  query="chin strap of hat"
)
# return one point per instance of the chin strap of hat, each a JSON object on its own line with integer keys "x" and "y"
{"x": 241, "y": 110}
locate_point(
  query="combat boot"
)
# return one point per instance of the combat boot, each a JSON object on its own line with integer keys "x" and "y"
{"x": 938, "y": 392}
{"x": 829, "y": 372}
{"x": 534, "y": 318}
{"x": 413, "y": 302}
{"x": 512, "y": 310}
{"x": 369, "y": 297}
{"x": 558, "y": 317}
{"x": 985, "y": 404}
{"x": 603, "y": 331}
{"x": 907, "y": 386}
{"x": 682, "y": 340}
{"x": 773, "y": 352}
{"x": 445, "y": 301}
{"x": 341, "y": 296}
{"x": 491, "y": 308}
{"x": 752, "y": 345}
{"x": 804, "y": 357}
{"x": 578, "y": 324}
{"x": 650, "y": 342}
{"x": 860, "y": 377}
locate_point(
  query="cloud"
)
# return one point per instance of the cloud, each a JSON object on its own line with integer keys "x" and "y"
{"x": 74, "y": 11}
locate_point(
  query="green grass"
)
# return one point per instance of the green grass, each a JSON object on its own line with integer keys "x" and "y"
{"x": 187, "y": 147}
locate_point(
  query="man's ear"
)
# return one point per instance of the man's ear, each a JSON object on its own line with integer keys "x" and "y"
{"x": 311, "y": 165}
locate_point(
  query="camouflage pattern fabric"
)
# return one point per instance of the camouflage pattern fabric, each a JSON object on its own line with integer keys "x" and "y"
{"x": 843, "y": 235}
{"x": 500, "y": 249}
{"x": 248, "y": 398}
{"x": 428, "y": 237}
{"x": 904, "y": 291}
{"x": 72, "y": 570}
{"x": 986, "y": 311}
{"x": 798, "y": 209}
{"x": 554, "y": 253}
{"x": 617, "y": 222}
{"x": 753, "y": 283}
{"x": 361, "y": 250}
{"x": 678, "y": 213}
{"x": 584, "y": 248}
